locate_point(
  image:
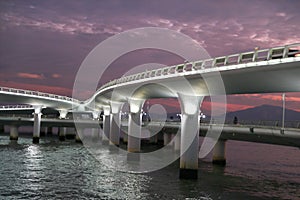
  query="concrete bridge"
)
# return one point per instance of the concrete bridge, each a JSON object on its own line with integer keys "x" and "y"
{"x": 260, "y": 71}
{"x": 241, "y": 132}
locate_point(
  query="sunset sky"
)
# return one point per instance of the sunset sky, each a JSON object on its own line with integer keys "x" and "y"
{"x": 42, "y": 43}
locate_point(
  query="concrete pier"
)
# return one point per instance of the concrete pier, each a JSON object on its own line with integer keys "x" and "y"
{"x": 177, "y": 142}
{"x": 114, "y": 129}
{"x": 95, "y": 134}
{"x": 79, "y": 131}
{"x": 134, "y": 130}
{"x": 115, "y": 121}
{"x": 124, "y": 136}
{"x": 134, "y": 125}
{"x": 219, "y": 157}
{"x": 189, "y": 146}
{"x": 106, "y": 125}
{"x": 167, "y": 139}
{"x": 62, "y": 130}
{"x": 37, "y": 124}
{"x": 62, "y": 133}
{"x": 14, "y": 134}
{"x": 106, "y": 129}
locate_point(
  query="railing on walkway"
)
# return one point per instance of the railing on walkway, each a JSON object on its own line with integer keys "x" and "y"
{"x": 9, "y": 107}
{"x": 269, "y": 123}
{"x": 263, "y": 123}
{"x": 246, "y": 57}
{"x": 243, "y": 123}
{"x": 39, "y": 94}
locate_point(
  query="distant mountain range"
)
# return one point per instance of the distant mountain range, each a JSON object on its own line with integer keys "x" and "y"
{"x": 264, "y": 112}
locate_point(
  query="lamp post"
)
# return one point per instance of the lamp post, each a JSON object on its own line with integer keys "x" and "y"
{"x": 283, "y": 111}
{"x": 202, "y": 116}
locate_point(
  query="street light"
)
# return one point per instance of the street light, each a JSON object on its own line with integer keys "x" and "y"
{"x": 283, "y": 112}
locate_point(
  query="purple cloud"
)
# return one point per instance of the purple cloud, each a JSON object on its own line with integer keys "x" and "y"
{"x": 53, "y": 37}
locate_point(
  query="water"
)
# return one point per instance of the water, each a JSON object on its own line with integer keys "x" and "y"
{"x": 65, "y": 170}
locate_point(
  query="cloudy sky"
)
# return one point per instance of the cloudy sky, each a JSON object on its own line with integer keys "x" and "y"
{"x": 43, "y": 43}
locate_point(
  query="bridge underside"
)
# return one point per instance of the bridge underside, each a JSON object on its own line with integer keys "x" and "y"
{"x": 258, "y": 77}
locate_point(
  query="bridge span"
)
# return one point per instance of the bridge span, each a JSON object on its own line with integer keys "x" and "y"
{"x": 260, "y": 71}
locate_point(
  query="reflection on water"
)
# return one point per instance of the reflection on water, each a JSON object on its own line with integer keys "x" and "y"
{"x": 66, "y": 170}
{"x": 33, "y": 174}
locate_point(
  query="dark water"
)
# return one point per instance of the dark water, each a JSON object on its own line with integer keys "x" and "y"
{"x": 65, "y": 170}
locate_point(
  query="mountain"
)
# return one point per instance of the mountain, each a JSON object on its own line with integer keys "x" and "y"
{"x": 264, "y": 112}
{"x": 259, "y": 113}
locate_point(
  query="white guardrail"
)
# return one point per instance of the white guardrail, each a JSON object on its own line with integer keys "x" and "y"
{"x": 39, "y": 94}
{"x": 246, "y": 57}
{"x": 16, "y": 107}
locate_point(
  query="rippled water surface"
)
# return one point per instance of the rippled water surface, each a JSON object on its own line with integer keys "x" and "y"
{"x": 66, "y": 170}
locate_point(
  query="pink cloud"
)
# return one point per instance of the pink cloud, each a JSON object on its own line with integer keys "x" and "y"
{"x": 30, "y": 76}
{"x": 56, "y": 75}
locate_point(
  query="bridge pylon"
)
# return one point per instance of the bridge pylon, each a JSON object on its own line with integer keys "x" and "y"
{"x": 115, "y": 123}
{"x": 189, "y": 146}
{"x": 106, "y": 125}
{"x": 219, "y": 157}
{"x": 14, "y": 134}
{"x": 37, "y": 124}
{"x": 134, "y": 125}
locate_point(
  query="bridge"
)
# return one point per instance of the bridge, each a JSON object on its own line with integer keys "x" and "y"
{"x": 269, "y": 133}
{"x": 260, "y": 71}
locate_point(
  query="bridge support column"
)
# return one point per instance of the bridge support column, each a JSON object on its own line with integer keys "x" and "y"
{"x": 189, "y": 146}
{"x": 79, "y": 131}
{"x": 115, "y": 122}
{"x": 62, "y": 130}
{"x": 167, "y": 139}
{"x": 177, "y": 142}
{"x": 62, "y": 133}
{"x": 219, "y": 153}
{"x": 14, "y": 134}
{"x": 125, "y": 137}
{"x": 106, "y": 125}
{"x": 134, "y": 125}
{"x": 36, "y": 124}
{"x": 95, "y": 134}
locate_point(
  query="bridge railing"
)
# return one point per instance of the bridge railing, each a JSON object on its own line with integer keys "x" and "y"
{"x": 36, "y": 93}
{"x": 246, "y": 57}
{"x": 4, "y": 107}
{"x": 276, "y": 124}
{"x": 263, "y": 123}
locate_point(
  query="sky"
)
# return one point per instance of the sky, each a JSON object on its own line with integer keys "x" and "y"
{"x": 43, "y": 43}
